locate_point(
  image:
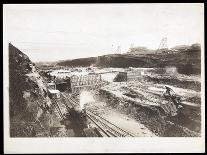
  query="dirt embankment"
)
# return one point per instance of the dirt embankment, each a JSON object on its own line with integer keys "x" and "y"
{"x": 143, "y": 105}
{"x": 27, "y": 97}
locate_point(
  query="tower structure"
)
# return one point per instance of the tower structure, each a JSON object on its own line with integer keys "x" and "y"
{"x": 163, "y": 45}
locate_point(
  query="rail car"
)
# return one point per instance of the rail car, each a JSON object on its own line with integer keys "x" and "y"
{"x": 53, "y": 93}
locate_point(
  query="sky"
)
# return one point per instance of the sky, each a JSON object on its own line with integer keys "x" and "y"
{"x": 68, "y": 31}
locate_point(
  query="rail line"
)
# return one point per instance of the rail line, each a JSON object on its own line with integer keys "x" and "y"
{"x": 110, "y": 129}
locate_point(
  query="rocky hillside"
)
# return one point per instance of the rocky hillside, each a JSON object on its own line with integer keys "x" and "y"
{"x": 27, "y": 97}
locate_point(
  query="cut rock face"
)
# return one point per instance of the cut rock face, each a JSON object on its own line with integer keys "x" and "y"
{"x": 26, "y": 95}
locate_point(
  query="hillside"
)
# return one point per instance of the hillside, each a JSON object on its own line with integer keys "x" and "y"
{"x": 27, "y": 97}
{"x": 187, "y": 60}
{"x": 79, "y": 62}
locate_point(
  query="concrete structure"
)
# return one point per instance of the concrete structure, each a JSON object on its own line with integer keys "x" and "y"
{"x": 85, "y": 82}
{"x": 121, "y": 77}
{"x": 136, "y": 74}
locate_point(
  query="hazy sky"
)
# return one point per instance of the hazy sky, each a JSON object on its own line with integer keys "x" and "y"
{"x": 54, "y": 32}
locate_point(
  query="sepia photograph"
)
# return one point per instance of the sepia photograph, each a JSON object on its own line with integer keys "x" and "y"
{"x": 93, "y": 72}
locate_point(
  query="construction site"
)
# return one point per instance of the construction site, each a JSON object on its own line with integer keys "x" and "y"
{"x": 104, "y": 77}
{"x": 96, "y": 100}
{"x": 133, "y": 101}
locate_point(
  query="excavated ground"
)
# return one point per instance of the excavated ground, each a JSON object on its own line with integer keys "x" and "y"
{"x": 139, "y": 102}
{"x": 119, "y": 118}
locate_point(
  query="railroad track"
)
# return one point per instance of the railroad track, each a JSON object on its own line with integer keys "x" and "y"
{"x": 109, "y": 129}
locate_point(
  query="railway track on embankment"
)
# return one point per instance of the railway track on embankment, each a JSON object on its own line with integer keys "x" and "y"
{"x": 108, "y": 128}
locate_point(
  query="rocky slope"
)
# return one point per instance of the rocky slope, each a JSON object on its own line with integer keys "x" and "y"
{"x": 27, "y": 97}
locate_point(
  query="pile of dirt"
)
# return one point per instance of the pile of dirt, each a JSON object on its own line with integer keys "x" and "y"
{"x": 27, "y": 97}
